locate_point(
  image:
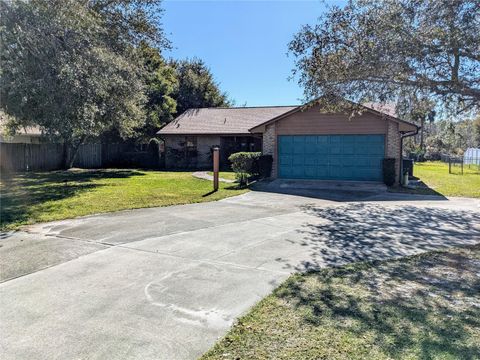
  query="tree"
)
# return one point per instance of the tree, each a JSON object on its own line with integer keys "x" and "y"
{"x": 387, "y": 50}
{"x": 422, "y": 109}
{"x": 161, "y": 82}
{"x": 197, "y": 87}
{"x": 446, "y": 137}
{"x": 72, "y": 67}
{"x": 476, "y": 132}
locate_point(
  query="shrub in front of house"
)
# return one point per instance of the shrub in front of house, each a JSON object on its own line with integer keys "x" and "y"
{"x": 389, "y": 171}
{"x": 245, "y": 165}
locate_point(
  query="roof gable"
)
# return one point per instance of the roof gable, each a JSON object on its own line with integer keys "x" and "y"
{"x": 384, "y": 111}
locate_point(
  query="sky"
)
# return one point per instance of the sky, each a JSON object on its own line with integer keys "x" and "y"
{"x": 245, "y": 44}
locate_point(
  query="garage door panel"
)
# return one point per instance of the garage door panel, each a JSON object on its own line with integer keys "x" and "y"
{"x": 285, "y": 160}
{"x": 367, "y": 173}
{"x": 323, "y": 160}
{"x": 335, "y": 172}
{"x": 310, "y": 172}
{"x": 286, "y": 172}
{"x": 322, "y": 149}
{"x": 299, "y": 148}
{"x": 311, "y": 160}
{"x": 351, "y": 161}
{"x": 334, "y": 159}
{"x": 285, "y": 139}
{"x": 310, "y": 147}
{"x": 374, "y": 162}
{"x": 298, "y": 160}
{"x": 298, "y": 172}
{"x": 342, "y": 157}
{"x": 336, "y": 149}
{"x": 369, "y": 161}
{"x": 286, "y": 149}
{"x": 372, "y": 150}
{"x": 350, "y": 149}
{"x": 322, "y": 172}
{"x": 285, "y": 145}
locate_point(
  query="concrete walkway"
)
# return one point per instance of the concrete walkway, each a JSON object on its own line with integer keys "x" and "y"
{"x": 205, "y": 176}
{"x": 165, "y": 283}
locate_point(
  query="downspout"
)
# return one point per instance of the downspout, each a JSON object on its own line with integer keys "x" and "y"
{"x": 404, "y": 135}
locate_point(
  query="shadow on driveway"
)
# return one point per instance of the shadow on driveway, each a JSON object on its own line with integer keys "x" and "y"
{"x": 341, "y": 191}
{"x": 362, "y": 231}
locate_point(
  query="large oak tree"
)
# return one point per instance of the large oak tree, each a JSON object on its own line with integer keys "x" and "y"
{"x": 405, "y": 51}
{"x": 72, "y": 67}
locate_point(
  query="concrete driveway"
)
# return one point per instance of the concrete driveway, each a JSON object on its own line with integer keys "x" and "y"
{"x": 165, "y": 283}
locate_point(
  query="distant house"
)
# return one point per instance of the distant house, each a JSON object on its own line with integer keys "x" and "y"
{"x": 305, "y": 142}
{"x": 24, "y": 135}
{"x": 29, "y": 135}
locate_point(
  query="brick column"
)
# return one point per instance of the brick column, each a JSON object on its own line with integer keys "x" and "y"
{"x": 393, "y": 147}
{"x": 269, "y": 146}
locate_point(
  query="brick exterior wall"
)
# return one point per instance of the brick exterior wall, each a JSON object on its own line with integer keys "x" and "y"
{"x": 269, "y": 146}
{"x": 393, "y": 147}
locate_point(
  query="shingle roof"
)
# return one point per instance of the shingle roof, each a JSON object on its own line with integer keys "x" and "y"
{"x": 29, "y": 130}
{"x": 388, "y": 109}
{"x": 222, "y": 120}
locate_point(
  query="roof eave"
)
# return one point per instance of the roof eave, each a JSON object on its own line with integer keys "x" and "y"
{"x": 390, "y": 117}
{"x": 299, "y": 108}
{"x": 247, "y": 133}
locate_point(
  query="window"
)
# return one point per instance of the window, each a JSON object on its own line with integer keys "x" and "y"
{"x": 190, "y": 146}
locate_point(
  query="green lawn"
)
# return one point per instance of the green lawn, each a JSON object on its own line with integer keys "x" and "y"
{"x": 34, "y": 197}
{"x": 437, "y": 180}
{"x": 421, "y": 307}
{"x": 228, "y": 175}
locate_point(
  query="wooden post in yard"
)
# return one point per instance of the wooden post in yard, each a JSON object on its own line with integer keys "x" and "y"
{"x": 216, "y": 166}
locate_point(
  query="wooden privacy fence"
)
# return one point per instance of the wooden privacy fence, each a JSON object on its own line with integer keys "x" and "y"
{"x": 89, "y": 156}
{"x": 30, "y": 157}
{"x": 45, "y": 157}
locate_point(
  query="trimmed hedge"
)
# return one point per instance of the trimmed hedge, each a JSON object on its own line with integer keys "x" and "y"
{"x": 389, "y": 171}
{"x": 245, "y": 165}
{"x": 250, "y": 164}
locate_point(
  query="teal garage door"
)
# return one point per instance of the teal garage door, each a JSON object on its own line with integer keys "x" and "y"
{"x": 331, "y": 157}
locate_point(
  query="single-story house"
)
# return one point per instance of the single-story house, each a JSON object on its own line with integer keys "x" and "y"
{"x": 28, "y": 135}
{"x": 305, "y": 142}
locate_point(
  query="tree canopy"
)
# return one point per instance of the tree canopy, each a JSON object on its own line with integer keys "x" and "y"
{"x": 399, "y": 51}
{"x": 445, "y": 137}
{"x": 81, "y": 69}
{"x": 161, "y": 82}
{"x": 196, "y": 86}
{"x": 72, "y": 67}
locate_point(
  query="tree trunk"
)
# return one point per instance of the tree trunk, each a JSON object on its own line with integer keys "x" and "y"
{"x": 422, "y": 124}
{"x": 66, "y": 154}
{"x": 73, "y": 155}
{"x": 70, "y": 151}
